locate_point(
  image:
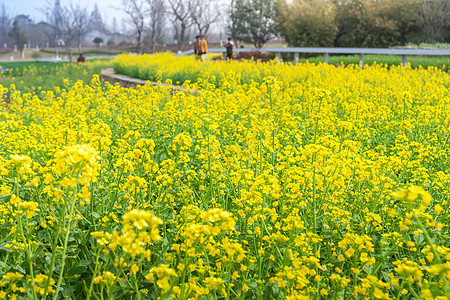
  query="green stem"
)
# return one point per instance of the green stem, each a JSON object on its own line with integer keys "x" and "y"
{"x": 435, "y": 253}
{"x": 91, "y": 286}
{"x": 400, "y": 290}
{"x": 66, "y": 240}
{"x": 29, "y": 254}
{"x": 209, "y": 166}
{"x": 55, "y": 242}
{"x": 413, "y": 291}
{"x": 314, "y": 204}
{"x": 136, "y": 287}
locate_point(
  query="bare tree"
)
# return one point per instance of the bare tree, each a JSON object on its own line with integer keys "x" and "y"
{"x": 41, "y": 33}
{"x": 68, "y": 32}
{"x": 5, "y": 24}
{"x": 114, "y": 25}
{"x": 434, "y": 16}
{"x": 135, "y": 9}
{"x": 204, "y": 13}
{"x": 27, "y": 25}
{"x": 96, "y": 20}
{"x": 156, "y": 12}
{"x": 181, "y": 12}
{"x": 79, "y": 23}
{"x": 68, "y": 23}
{"x": 124, "y": 26}
{"x": 56, "y": 17}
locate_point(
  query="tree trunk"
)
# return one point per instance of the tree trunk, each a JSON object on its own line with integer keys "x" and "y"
{"x": 181, "y": 38}
{"x": 153, "y": 38}
{"x": 138, "y": 46}
{"x": 153, "y": 45}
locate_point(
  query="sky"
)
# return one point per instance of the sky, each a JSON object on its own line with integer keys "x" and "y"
{"x": 32, "y": 8}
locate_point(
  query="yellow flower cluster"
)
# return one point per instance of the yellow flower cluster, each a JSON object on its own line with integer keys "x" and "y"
{"x": 79, "y": 160}
{"x": 134, "y": 235}
{"x": 44, "y": 285}
{"x": 163, "y": 273}
{"x": 9, "y": 286}
{"x": 259, "y": 181}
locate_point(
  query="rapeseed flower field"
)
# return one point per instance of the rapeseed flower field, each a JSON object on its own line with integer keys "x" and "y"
{"x": 259, "y": 181}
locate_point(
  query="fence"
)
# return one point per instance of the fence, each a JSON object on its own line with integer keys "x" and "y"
{"x": 327, "y": 51}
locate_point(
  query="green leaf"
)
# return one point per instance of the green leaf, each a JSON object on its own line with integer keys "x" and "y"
{"x": 85, "y": 262}
{"x": 253, "y": 285}
{"x": 77, "y": 270}
{"x": 5, "y": 198}
{"x": 123, "y": 284}
{"x": 19, "y": 269}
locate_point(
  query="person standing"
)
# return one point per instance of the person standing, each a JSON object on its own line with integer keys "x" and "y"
{"x": 229, "y": 47}
{"x": 203, "y": 47}
{"x": 197, "y": 49}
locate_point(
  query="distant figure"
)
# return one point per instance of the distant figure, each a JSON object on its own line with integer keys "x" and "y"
{"x": 81, "y": 58}
{"x": 229, "y": 46}
{"x": 203, "y": 47}
{"x": 197, "y": 49}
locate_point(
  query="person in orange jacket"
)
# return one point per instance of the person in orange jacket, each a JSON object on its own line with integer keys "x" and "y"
{"x": 197, "y": 49}
{"x": 203, "y": 47}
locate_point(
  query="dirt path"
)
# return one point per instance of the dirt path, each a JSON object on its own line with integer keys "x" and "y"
{"x": 125, "y": 81}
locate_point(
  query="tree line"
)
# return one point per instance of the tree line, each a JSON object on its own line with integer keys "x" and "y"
{"x": 312, "y": 23}
{"x": 362, "y": 23}
{"x": 153, "y": 19}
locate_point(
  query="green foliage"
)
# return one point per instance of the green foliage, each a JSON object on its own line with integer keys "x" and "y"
{"x": 27, "y": 76}
{"x": 98, "y": 41}
{"x": 363, "y": 23}
{"x": 366, "y": 23}
{"x": 405, "y": 15}
{"x": 434, "y": 16}
{"x": 36, "y": 55}
{"x": 426, "y": 45}
{"x": 307, "y": 23}
{"x": 253, "y": 21}
{"x": 17, "y": 36}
